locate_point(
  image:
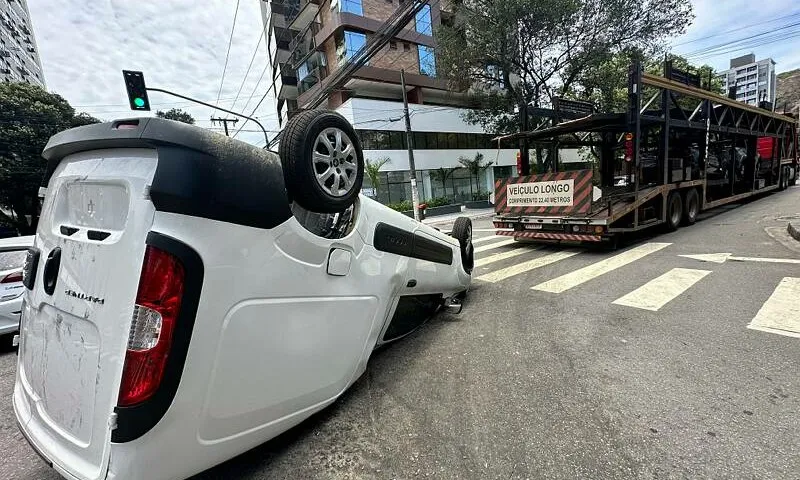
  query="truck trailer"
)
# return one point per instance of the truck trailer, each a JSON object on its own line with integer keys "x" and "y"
{"x": 678, "y": 150}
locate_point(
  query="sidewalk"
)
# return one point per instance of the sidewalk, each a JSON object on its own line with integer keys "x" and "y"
{"x": 471, "y": 213}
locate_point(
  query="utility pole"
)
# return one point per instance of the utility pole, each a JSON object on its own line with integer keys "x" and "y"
{"x": 224, "y": 122}
{"x": 410, "y": 144}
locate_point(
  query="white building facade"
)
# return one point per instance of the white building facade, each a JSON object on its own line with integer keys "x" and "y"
{"x": 755, "y": 81}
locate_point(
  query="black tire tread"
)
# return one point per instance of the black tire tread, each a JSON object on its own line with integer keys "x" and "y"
{"x": 668, "y": 224}
{"x": 461, "y": 233}
{"x": 686, "y": 219}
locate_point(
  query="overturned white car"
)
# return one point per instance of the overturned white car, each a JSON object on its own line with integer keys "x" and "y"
{"x": 189, "y": 296}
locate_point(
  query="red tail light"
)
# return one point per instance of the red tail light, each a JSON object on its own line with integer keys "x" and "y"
{"x": 158, "y": 303}
{"x": 12, "y": 277}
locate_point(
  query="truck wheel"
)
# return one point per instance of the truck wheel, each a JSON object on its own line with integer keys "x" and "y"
{"x": 462, "y": 231}
{"x": 793, "y": 177}
{"x": 691, "y": 206}
{"x": 323, "y": 164}
{"x": 782, "y": 183}
{"x": 674, "y": 211}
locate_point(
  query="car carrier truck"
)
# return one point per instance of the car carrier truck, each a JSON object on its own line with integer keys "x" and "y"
{"x": 677, "y": 151}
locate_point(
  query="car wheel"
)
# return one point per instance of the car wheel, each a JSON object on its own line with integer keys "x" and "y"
{"x": 691, "y": 206}
{"x": 323, "y": 164}
{"x": 674, "y": 211}
{"x": 462, "y": 231}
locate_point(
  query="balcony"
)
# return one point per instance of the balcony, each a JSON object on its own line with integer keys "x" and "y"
{"x": 288, "y": 81}
{"x": 303, "y": 44}
{"x": 305, "y": 15}
{"x": 312, "y": 78}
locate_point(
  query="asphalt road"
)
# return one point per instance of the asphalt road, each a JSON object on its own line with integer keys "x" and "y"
{"x": 529, "y": 383}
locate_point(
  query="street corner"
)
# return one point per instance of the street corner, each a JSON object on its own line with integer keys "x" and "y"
{"x": 793, "y": 228}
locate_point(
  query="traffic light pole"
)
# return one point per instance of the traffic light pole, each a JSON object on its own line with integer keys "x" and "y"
{"x": 266, "y": 137}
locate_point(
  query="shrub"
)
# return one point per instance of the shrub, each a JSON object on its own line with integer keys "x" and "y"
{"x": 479, "y": 196}
{"x": 438, "y": 202}
{"x": 403, "y": 206}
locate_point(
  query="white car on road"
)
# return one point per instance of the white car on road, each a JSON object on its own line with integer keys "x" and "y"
{"x": 189, "y": 296}
{"x": 12, "y": 257}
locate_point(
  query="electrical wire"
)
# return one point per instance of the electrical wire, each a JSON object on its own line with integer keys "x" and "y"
{"x": 250, "y": 65}
{"x": 745, "y": 27}
{"x": 228, "y": 52}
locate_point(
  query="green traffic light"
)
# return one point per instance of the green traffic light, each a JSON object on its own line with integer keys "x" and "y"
{"x": 138, "y": 101}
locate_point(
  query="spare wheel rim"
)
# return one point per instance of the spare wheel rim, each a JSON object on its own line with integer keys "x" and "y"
{"x": 334, "y": 162}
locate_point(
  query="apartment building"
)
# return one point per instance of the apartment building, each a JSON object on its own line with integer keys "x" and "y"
{"x": 309, "y": 39}
{"x": 19, "y": 57}
{"x": 755, "y": 81}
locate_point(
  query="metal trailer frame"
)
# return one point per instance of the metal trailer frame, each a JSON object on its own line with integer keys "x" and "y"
{"x": 711, "y": 113}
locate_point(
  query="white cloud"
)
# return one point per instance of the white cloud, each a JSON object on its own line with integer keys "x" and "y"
{"x": 179, "y": 45}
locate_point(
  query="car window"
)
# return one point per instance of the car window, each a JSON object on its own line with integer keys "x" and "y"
{"x": 13, "y": 259}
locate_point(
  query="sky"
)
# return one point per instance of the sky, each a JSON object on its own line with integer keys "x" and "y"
{"x": 181, "y": 45}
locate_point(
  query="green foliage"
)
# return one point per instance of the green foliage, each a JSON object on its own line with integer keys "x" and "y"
{"x": 441, "y": 175}
{"x": 480, "y": 195}
{"x": 29, "y": 116}
{"x": 403, "y": 206}
{"x": 176, "y": 114}
{"x": 438, "y": 202}
{"x": 475, "y": 166}
{"x": 372, "y": 169}
{"x": 516, "y": 52}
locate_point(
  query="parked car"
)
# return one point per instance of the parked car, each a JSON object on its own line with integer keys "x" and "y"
{"x": 189, "y": 296}
{"x": 12, "y": 257}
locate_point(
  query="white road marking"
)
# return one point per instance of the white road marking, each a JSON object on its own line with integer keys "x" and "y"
{"x": 523, "y": 267}
{"x": 482, "y": 262}
{"x": 486, "y": 239}
{"x": 492, "y": 246}
{"x": 781, "y": 312}
{"x": 661, "y": 290}
{"x": 723, "y": 257}
{"x": 573, "y": 279}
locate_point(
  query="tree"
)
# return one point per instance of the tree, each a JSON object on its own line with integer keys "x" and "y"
{"x": 176, "y": 114}
{"x": 475, "y": 166}
{"x": 29, "y": 116}
{"x": 372, "y": 169}
{"x": 521, "y": 52}
{"x": 441, "y": 174}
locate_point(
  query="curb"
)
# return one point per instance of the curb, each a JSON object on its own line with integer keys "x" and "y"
{"x": 794, "y": 231}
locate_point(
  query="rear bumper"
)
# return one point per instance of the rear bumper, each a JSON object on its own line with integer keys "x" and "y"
{"x": 553, "y": 229}
{"x": 9, "y": 315}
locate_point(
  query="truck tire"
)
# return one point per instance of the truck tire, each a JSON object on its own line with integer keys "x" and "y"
{"x": 691, "y": 206}
{"x": 323, "y": 164}
{"x": 783, "y": 179}
{"x": 674, "y": 211}
{"x": 462, "y": 231}
{"x": 793, "y": 177}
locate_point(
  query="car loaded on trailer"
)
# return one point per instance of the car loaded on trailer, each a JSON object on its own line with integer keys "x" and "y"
{"x": 189, "y": 296}
{"x": 678, "y": 150}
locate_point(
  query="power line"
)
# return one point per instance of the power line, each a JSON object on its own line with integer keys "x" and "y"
{"x": 783, "y": 17}
{"x": 743, "y": 40}
{"x": 250, "y": 65}
{"x": 228, "y": 52}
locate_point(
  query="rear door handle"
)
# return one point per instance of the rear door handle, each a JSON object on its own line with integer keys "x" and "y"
{"x": 51, "y": 266}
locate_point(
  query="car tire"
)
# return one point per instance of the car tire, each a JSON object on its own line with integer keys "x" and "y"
{"x": 674, "y": 211}
{"x": 691, "y": 206}
{"x": 323, "y": 164}
{"x": 462, "y": 231}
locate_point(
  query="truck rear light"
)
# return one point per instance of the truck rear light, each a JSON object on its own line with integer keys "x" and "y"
{"x": 12, "y": 277}
{"x": 158, "y": 303}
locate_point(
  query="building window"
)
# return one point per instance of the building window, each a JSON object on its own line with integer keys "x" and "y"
{"x": 353, "y": 42}
{"x": 351, "y": 6}
{"x": 406, "y": 47}
{"x": 423, "y": 20}
{"x": 427, "y": 61}
{"x": 392, "y": 45}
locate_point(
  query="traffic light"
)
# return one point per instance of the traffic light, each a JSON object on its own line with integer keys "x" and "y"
{"x": 137, "y": 92}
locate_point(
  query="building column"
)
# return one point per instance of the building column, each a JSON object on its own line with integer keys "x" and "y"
{"x": 415, "y": 95}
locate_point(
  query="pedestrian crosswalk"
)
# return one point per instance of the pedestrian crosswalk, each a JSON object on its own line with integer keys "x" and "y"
{"x": 503, "y": 259}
